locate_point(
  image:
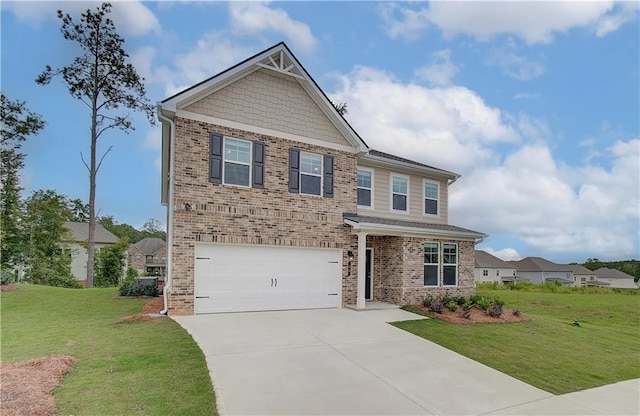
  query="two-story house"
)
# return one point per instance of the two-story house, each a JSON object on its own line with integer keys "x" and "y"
{"x": 490, "y": 268}
{"x": 538, "y": 271}
{"x": 275, "y": 202}
{"x": 149, "y": 256}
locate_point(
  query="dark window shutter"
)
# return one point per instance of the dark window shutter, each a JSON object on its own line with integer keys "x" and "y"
{"x": 294, "y": 170}
{"x": 328, "y": 176}
{"x": 258, "y": 165}
{"x": 215, "y": 158}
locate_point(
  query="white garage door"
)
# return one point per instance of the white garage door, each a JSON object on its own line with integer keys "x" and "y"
{"x": 234, "y": 278}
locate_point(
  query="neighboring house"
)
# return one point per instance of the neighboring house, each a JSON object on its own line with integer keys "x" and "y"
{"x": 149, "y": 256}
{"x": 275, "y": 202}
{"x": 616, "y": 278}
{"x": 80, "y": 235}
{"x": 583, "y": 277}
{"x": 538, "y": 270}
{"x": 490, "y": 268}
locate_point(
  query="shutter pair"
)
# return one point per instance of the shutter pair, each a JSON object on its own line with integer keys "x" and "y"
{"x": 216, "y": 161}
{"x": 294, "y": 173}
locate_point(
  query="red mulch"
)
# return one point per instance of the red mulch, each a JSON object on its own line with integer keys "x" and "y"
{"x": 27, "y": 386}
{"x": 478, "y": 316}
{"x": 6, "y": 288}
{"x": 155, "y": 305}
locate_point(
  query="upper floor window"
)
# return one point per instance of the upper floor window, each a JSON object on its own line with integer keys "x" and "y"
{"x": 310, "y": 174}
{"x": 149, "y": 259}
{"x": 431, "y": 197}
{"x": 237, "y": 161}
{"x": 365, "y": 188}
{"x": 399, "y": 193}
{"x": 485, "y": 272}
{"x": 449, "y": 264}
{"x": 431, "y": 264}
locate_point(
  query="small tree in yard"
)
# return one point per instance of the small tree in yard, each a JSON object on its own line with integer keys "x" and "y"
{"x": 102, "y": 79}
{"x": 110, "y": 262}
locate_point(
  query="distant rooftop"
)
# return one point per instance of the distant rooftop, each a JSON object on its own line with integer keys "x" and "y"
{"x": 150, "y": 245}
{"x": 486, "y": 260}
{"x": 80, "y": 232}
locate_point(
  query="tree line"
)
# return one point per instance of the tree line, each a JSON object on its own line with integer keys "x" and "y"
{"x": 630, "y": 267}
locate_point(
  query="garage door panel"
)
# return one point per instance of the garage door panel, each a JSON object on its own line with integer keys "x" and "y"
{"x": 231, "y": 278}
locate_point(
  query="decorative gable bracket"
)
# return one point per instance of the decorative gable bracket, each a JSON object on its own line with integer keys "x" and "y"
{"x": 276, "y": 62}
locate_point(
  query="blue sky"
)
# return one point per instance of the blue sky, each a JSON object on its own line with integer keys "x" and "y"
{"x": 535, "y": 104}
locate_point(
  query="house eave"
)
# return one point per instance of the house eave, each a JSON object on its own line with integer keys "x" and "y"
{"x": 406, "y": 231}
{"x": 369, "y": 159}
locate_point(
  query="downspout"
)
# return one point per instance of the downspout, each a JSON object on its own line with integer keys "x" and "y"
{"x": 167, "y": 284}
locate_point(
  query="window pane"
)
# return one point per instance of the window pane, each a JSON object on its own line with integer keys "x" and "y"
{"x": 364, "y": 179}
{"x": 430, "y": 207}
{"x": 449, "y": 275}
{"x": 311, "y": 164}
{"x": 450, "y": 255}
{"x": 364, "y": 197}
{"x": 236, "y": 174}
{"x": 430, "y": 275}
{"x": 237, "y": 150}
{"x": 431, "y": 253}
{"x": 431, "y": 190}
{"x": 399, "y": 185}
{"x": 399, "y": 202}
{"x": 310, "y": 185}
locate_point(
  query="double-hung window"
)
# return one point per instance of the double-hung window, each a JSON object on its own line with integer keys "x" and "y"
{"x": 431, "y": 263}
{"x": 449, "y": 264}
{"x": 310, "y": 174}
{"x": 365, "y": 188}
{"x": 237, "y": 161}
{"x": 431, "y": 192}
{"x": 399, "y": 193}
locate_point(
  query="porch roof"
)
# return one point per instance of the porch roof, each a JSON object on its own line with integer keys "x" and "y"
{"x": 393, "y": 227}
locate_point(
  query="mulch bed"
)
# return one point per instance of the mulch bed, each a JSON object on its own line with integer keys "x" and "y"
{"x": 478, "y": 316}
{"x": 6, "y": 288}
{"x": 27, "y": 386}
{"x": 154, "y": 306}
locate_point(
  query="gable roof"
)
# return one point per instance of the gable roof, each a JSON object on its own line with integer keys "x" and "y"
{"x": 606, "y": 273}
{"x": 538, "y": 264}
{"x": 80, "y": 232}
{"x": 150, "y": 245}
{"x": 280, "y": 59}
{"x": 486, "y": 260}
{"x": 580, "y": 269}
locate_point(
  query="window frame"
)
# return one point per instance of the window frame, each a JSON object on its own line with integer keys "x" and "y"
{"x": 455, "y": 265}
{"x": 225, "y": 161}
{"x": 424, "y": 197}
{"x": 320, "y": 175}
{"x": 437, "y": 263}
{"x": 485, "y": 272}
{"x": 370, "y": 171}
{"x": 392, "y": 193}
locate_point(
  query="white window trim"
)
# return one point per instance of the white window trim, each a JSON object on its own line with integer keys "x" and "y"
{"x": 391, "y": 175}
{"x": 450, "y": 264}
{"x": 438, "y": 265}
{"x": 424, "y": 197}
{"x": 371, "y": 189}
{"x": 321, "y": 175}
{"x": 224, "y": 162}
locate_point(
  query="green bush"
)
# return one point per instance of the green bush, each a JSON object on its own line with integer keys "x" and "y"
{"x": 468, "y": 304}
{"x": 132, "y": 274}
{"x": 6, "y": 277}
{"x": 483, "y": 303}
{"x": 427, "y": 301}
{"x": 495, "y": 310}
{"x": 452, "y": 306}
{"x": 135, "y": 288}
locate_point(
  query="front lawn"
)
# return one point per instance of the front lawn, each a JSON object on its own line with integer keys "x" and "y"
{"x": 140, "y": 367}
{"x": 549, "y": 351}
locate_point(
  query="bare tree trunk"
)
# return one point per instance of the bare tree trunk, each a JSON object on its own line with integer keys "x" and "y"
{"x": 91, "y": 247}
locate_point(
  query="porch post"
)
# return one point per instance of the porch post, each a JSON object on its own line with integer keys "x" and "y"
{"x": 362, "y": 255}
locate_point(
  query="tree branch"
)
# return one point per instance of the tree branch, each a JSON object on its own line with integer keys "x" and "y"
{"x": 85, "y": 163}
{"x": 102, "y": 158}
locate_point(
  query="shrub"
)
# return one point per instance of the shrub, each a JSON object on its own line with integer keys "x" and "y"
{"x": 495, "y": 310}
{"x": 452, "y": 306}
{"x": 516, "y": 312}
{"x": 446, "y": 299}
{"x": 466, "y": 314}
{"x": 135, "y": 288}
{"x": 483, "y": 303}
{"x": 460, "y": 300}
{"x": 6, "y": 277}
{"x": 468, "y": 304}
{"x": 109, "y": 264}
{"x": 427, "y": 301}
{"x": 131, "y": 275}
{"x": 436, "y": 306}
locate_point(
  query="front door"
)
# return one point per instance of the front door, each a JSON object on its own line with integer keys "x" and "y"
{"x": 368, "y": 287}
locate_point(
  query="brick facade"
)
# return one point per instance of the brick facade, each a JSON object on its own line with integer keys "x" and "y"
{"x": 234, "y": 214}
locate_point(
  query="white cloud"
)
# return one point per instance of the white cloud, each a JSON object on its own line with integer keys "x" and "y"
{"x": 442, "y": 126}
{"x": 255, "y": 17}
{"x": 440, "y": 71}
{"x": 131, "y": 17}
{"x": 515, "y": 65}
{"x": 535, "y": 22}
{"x": 505, "y": 254}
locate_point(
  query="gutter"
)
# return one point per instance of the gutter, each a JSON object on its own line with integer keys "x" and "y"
{"x": 167, "y": 283}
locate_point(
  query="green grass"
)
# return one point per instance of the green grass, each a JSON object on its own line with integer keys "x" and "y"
{"x": 548, "y": 351}
{"x": 136, "y": 368}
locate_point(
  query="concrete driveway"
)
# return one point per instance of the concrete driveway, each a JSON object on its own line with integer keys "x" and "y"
{"x": 343, "y": 362}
